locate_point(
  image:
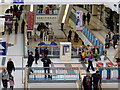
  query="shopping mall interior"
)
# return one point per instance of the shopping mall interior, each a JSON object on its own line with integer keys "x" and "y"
{"x": 72, "y": 35}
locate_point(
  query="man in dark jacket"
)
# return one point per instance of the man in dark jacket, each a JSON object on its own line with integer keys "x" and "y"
{"x": 107, "y": 42}
{"x": 96, "y": 52}
{"x": 69, "y": 36}
{"x": 22, "y": 26}
{"x": 88, "y": 18}
{"x": 96, "y": 77}
{"x": 84, "y": 18}
{"x": 10, "y": 66}
{"x": 45, "y": 51}
{"x": 87, "y": 82}
{"x": 16, "y": 27}
{"x": 115, "y": 38}
{"x": 30, "y": 61}
{"x": 46, "y": 62}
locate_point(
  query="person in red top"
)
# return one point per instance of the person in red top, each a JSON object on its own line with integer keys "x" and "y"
{"x": 87, "y": 82}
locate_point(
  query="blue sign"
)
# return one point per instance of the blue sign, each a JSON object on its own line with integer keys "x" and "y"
{"x": 2, "y": 48}
{"x": 18, "y": 1}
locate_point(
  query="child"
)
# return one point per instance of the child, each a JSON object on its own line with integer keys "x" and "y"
{"x": 11, "y": 81}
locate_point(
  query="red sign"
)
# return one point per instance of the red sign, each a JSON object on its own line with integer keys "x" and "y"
{"x": 30, "y": 21}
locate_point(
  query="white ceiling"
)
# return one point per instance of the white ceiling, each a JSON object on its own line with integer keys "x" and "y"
{"x": 107, "y": 3}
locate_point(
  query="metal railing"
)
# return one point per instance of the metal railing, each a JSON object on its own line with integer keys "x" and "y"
{"x": 109, "y": 73}
{"x": 57, "y": 73}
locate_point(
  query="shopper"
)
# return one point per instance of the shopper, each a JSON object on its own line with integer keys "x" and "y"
{"x": 10, "y": 66}
{"x": 76, "y": 37}
{"x": 96, "y": 53}
{"x": 83, "y": 56}
{"x": 16, "y": 27}
{"x": 109, "y": 35}
{"x": 45, "y": 51}
{"x": 36, "y": 55}
{"x": 22, "y": 26}
{"x": 11, "y": 9}
{"x": 88, "y": 18}
{"x": 30, "y": 61}
{"x": 115, "y": 38}
{"x": 87, "y": 82}
{"x": 11, "y": 81}
{"x": 84, "y": 18}
{"x": 10, "y": 29}
{"x": 117, "y": 54}
{"x": 89, "y": 49}
{"x": 107, "y": 42}
{"x": 70, "y": 33}
{"x": 39, "y": 27}
{"x": 5, "y": 77}
{"x": 18, "y": 14}
{"x": 90, "y": 59}
{"x": 96, "y": 77}
{"x": 46, "y": 62}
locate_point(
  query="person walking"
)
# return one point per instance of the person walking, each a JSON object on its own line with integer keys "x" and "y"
{"x": 10, "y": 29}
{"x": 46, "y": 62}
{"x": 5, "y": 77}
{"x": 88, "y": 18}
{"x": 11, "y": 81}
{"x": 22, "y": 26}
{"x": 10, "y": 66}
{"x": 107, "y": 42}
{"x": 96, "y": 77}
{"x": 96, "y": 52}
{"x": 45, "y": 51}
{"x": 69, "y": 36}
{"x": 36, "y": 55}
{"x": 84, "y": 18}
{"x": 87, "y": 82}
{"x": 30, "y": 61}
{"x": 90, "y": 59}
{"x": 109, "y": 35}
{"x": 39, "y": 27}
{"x": 16, "y": 27}
{"x": 115, "y": 38}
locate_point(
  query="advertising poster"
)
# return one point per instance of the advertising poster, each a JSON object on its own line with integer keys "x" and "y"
{"x": 2, "y": 48}
{"x": 79, "y": 21}
{"x": 30, "y": 22}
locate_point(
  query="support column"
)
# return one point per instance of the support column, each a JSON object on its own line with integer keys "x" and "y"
{"x": 61, "y": 13}
{"x": 68, "y": 14}
{"x": 94, "y": 10}
{"x": 119, "y": 40}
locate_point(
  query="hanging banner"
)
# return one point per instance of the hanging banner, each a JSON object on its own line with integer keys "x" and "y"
{"x": 30, "y": 21}
{"x": 79, "y": 21}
